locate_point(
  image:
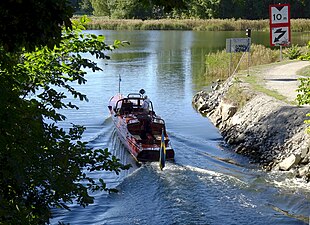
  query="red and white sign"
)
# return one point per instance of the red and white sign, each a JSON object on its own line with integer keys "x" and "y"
{"x": 280, "y": 26}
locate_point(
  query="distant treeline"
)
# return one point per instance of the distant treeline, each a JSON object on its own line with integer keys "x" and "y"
{"x": 187, "y": 9}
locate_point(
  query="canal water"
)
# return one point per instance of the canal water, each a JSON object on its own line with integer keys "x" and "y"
{"x": 208, "y": 183}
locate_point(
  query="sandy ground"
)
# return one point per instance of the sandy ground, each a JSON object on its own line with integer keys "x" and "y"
{"x": 284, "y": 80}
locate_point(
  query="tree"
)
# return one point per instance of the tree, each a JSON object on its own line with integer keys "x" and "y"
{"x": 101, "y": 7}
{"x": 243, "y": 9}
{"x": 86, "y": 7}
{"x": 203, "y": 9}
{"x": 137, "y": 9}
{"x": 41, "y": 165}
{"x": 30, "y": 23}
{"x": 131, "y": 9}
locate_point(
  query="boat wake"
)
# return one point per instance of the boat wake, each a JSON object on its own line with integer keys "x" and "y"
{"x": 287, "y": 181}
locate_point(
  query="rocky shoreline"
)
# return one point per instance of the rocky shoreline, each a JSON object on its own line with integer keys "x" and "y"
{"x": 270, "y": 132}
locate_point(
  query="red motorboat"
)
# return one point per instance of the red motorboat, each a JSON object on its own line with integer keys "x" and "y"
{"x": 142, "y": 132}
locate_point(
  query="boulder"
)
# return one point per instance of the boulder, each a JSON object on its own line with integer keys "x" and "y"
{"x": 304, "y": 152}
{"x": 305, "y": 155}
{"x": 289, "y": 162}
{"x": 303, "y": 171}
{"x": 227, "y": 110}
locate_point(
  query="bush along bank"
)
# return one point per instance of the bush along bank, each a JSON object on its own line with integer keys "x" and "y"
{"x": 270, "y": 132}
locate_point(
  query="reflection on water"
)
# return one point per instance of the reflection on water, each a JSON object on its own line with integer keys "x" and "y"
{"x": 208, "y": 183}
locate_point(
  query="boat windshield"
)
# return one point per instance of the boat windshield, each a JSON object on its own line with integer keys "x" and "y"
{"x": 131, "y": 105}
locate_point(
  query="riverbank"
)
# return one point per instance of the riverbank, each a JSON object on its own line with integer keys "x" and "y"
{"x": 258, "y": 117}
{"x": 104, "y": 23}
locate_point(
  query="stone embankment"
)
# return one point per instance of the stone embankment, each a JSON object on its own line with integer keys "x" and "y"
{"x": 269, "y": 131}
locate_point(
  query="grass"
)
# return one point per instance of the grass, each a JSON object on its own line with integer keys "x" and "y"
{"x": 257, "y": 84}
{"x": 304, "y": 71}
{"x": 237, "y": 95}
{"x": 104, "y": 23}
{"x": 218, "y": 63}
{"x": 248, "y": 85}
{"x": 217, "y": 67}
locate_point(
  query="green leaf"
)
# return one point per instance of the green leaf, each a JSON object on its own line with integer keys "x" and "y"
{"x": 43, "y": 164}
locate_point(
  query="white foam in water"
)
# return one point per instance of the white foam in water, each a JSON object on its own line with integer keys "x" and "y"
{"x": 222, "y": 177}
{"x": 286, "y": 180}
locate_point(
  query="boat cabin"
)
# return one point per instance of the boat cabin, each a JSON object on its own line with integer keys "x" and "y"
{"x": 132, "y": 104}
{"x": 144, "y": 127}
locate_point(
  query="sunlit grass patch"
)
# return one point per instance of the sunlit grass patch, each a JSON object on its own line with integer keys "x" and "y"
{"x": 237, "y": 95}
{"x": 304, "y": 71}
{"x": 257, "y": 83}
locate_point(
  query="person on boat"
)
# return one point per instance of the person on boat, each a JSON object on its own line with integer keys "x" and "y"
{"x": 145, "y": 119}
{"x": 127, "y": 106}
{"x": 146, "y": 105}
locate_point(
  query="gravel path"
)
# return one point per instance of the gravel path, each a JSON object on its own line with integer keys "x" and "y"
{"x": 283, "y": 78}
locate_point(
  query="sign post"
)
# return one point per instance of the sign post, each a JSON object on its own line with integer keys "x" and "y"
{"x": 280, "y": 25}
{"x": 237, "y": 45}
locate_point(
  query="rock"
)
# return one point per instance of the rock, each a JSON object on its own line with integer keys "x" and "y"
{"x": 215, "y": 86}
{"x": 303, "y": 171}
{"x": 305, "y": 160}
{"x": 227, "y": 110}
{"x": 264, "y": 129}
{"x": 304, "y": 152}
{"x": 289, "y": 162}
{"x": 202, "y": 107}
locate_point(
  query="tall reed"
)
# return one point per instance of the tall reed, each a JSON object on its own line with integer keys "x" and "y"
{"x": 221, "y": 64}
{"x": 105, "y": 23}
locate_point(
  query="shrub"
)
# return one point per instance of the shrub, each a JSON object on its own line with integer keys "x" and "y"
{"x": 293, "y": 52}
{"x": 306, "y": 55}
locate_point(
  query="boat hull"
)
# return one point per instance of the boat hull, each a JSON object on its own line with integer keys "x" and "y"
{"x": 141, "y": 133}
{"x": 140, "y": 152}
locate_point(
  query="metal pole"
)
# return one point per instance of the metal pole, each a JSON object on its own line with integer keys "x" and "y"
{"x": 230, "y": 62}
{"x": 249, "y": 63}
{"x": 280, "y": 53}
{"x": 249, "y": 55}
{"x": 119, "y": 83}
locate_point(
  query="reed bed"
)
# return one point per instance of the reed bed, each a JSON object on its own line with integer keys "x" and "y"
{"x": 221, "y": 64}
{"x": 300, "y": 25}
{"x": 104, "y": 23}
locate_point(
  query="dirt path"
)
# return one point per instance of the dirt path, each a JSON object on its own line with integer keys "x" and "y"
{"x": 283, "y": 78}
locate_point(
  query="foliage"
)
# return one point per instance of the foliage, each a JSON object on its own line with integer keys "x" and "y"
{"x": 130, "y": 9}
{"x": 202, "y": 9}
{"x": 217, "y": 64}
{"x": 125, "y": 9}
{"x": 261, "y": 55}
{"x": 303, "y": 98}
{"x": 42, "y": 165}
{"x": 306, "y": 55}
{"x": 293, "y": 52}
{"x": 101, "y": 7}
{"x": 244, "y": 9}
{"x": 86, "y": 7}
{"x": 307, "y": 122}
{"x": 40, "y": 25}
{"x": 304, "y": 89}
{"x": 237, "y": 95}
